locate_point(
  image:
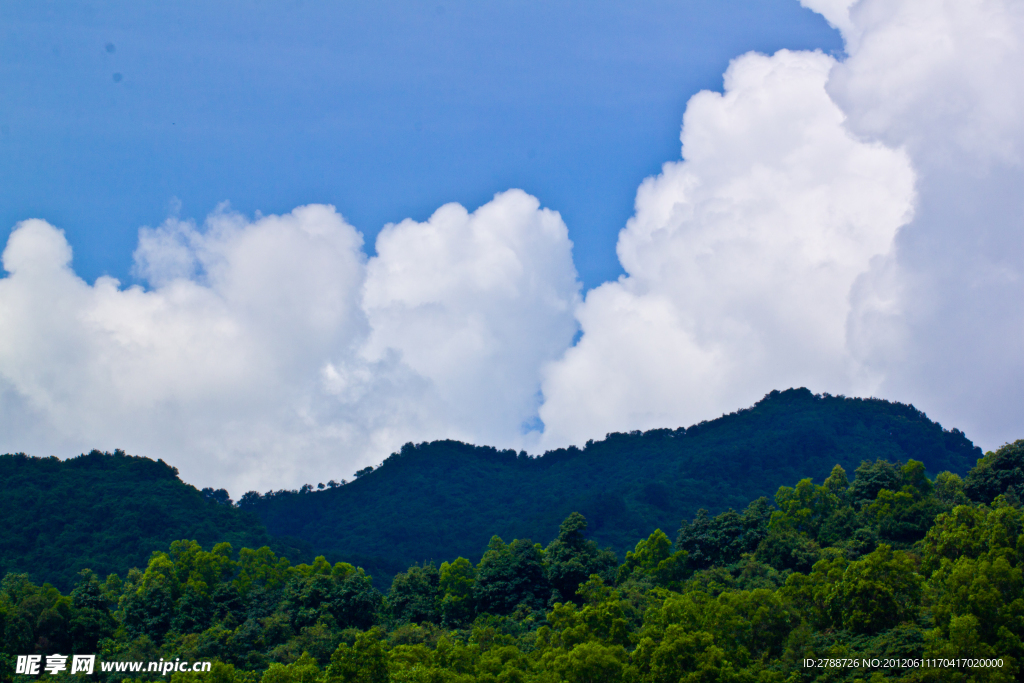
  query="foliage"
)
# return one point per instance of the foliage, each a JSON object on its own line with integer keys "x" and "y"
{"x": 916, "y": 571}
{"x": 654, "y": 560}
{"x": 572, "y": 559}
{"x": 894, "y": 565}
{"x": 997, "y": 474}
{"x": 443, "y": 500}
{"x": 446, "y": 499}
{"x": 723, "y": 539}
{"x": 113, "y": 509}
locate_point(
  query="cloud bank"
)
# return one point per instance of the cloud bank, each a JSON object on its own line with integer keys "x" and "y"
{"x": 855, "y": 225}
{"x": 273, "y": 352}
{"x": 739, "y": 259}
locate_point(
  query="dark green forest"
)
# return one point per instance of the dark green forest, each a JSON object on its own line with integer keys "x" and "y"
{"x": 107, "y": 512}
{"x": 881, "y": 563}
{"x": 437, "y": 501}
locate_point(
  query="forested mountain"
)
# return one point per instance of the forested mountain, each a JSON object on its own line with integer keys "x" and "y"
{"x": 107, "y": 512}
{"x": 440, "y": 500}
{"x": 891, "y": 576}
{"x": 436, "y": 501}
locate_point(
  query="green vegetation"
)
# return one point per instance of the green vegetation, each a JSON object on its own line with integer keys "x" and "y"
{"x": 894, "y": 565}
{"x": 112, "y": 510}
{"x": 438, "y": 501}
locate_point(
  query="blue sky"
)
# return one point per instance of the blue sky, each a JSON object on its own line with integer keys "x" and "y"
{"x": 386, "y": 110}
{"x": 516, "y": 224}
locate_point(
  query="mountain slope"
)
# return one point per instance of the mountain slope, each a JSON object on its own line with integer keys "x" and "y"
{"x": 107, "y": 512}
{"x": 435, "y": 501}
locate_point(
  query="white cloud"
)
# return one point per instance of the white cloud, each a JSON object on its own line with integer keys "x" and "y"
{"x": 836, "y": 12}
{"x": 183, "y": 370}
{"x": 272, "y": 353}
{"x": 941, "y": 318}
{"x": 476, "y": 304}
{"x": 739, "y": 259}
{"x": 855, "y": 226}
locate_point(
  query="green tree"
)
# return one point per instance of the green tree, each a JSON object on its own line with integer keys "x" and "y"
{"x": 601, "y": 618}
{"x": 681, "y": 656}
{"x": 302, "y": 670}
{"x": 571, "y": 559}
{"x": 872, "y": 477}
{"x": 414, "y": 596}
{"x": 90, "y": 617}
{"x": 456, "y": 582}
{"x": 341, "y": 593}
{"x": 876, "y": 592}
{"x": 723, "y": 539}
{"x": 976, "y": 555}
{"x": 260, "y": 569}
{"x": 786, "y": 549}
{"x": 194, "y": 610}
{"x": 510, "y": 575}
{"x": 147, "y": 604}
{"x": 653, "y": 558}
{"x": 998, "y": 473}
{"x": 365, "y": 661}
{"x": 593, "y": 662}
{"x": 804, "y": 508}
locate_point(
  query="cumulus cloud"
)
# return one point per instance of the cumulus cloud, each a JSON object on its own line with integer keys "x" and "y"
{"x": 272, "y": 352}
{"x": 476, "y": 304}
{"x": 739, "y": 259}
{"x": 941, "y": 318}
{"x": 198, "y": 370}
{"x": 851, "y": 224}
{"x": 836, "y": 13}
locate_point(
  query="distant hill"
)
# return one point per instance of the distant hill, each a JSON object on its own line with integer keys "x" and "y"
{"x": 436, "y": 501}
{"x": 107, "y": 512}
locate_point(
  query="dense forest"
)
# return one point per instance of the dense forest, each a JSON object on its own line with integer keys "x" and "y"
{"x": 112, "y": 509}
{"x": 913, "y": 577}
{"x": 437, "y": 501}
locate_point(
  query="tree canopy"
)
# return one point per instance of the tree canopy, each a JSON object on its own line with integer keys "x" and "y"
{"x": 893, "y": 566}
{"x": 441, "y": 500}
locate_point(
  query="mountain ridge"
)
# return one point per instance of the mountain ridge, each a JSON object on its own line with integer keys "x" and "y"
{"x": 436, "y": 501}
{"x": 433, "y": 499}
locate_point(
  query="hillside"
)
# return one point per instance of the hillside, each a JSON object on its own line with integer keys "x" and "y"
{"x": 436, "y": 501}
{"x": 440, "y": 500}
{"x": 107, "y": 512}
{"x": 902, "y": 577}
